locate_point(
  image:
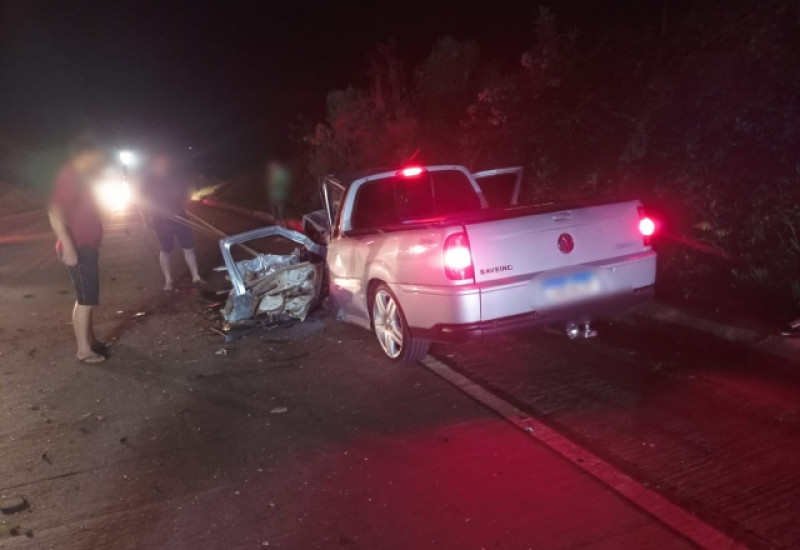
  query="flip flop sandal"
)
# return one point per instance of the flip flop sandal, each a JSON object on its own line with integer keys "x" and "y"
{"x": 91, "y": 359}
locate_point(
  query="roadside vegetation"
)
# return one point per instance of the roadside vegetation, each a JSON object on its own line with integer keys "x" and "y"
{"x": 697, "y": 114}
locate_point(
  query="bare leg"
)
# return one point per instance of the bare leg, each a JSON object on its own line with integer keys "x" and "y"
{"x": 163, "y": 259}
{"x": 191, "y": 261}
{"x": 97, "y": 345}
{"x": 82, "y": 323}
{"x": 92, "y": 338}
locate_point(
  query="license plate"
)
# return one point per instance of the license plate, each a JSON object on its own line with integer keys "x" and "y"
{"x": 568, "y": 288}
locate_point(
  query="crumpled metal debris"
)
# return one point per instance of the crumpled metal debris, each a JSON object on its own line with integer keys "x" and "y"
{"x": 281, "y": 285}
{"x": 266, "y": 263}
{"x": 272, "y": 285}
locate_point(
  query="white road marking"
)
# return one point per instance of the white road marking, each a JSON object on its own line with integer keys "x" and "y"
{"x": 648, "y": 500}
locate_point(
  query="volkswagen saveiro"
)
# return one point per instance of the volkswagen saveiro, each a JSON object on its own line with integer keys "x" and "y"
{"x": 436, "y": 253}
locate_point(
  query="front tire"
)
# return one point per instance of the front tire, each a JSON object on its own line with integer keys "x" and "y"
{"x": 391, "y": 329}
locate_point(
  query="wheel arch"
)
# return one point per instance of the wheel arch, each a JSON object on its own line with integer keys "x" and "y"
{"x": 378, "y": 273}
{"x": 372, "y": 284}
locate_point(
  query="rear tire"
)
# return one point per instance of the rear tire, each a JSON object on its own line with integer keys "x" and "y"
{"x": 391, "y": 330}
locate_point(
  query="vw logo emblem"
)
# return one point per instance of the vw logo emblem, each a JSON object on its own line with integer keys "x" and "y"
{"x": 566, "y": 243}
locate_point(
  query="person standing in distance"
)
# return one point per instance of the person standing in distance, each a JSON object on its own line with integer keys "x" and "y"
{"x": 278, "y": 182}
{"x": 163, "y": 199}
{"x": 75, "y": 219}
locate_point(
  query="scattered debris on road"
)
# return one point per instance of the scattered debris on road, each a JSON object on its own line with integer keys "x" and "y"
{"x": 212, "y": 329}
{"x": 14, "y": 531}
{"x": 278, "y": 410}
{"x": 13, "y": 505}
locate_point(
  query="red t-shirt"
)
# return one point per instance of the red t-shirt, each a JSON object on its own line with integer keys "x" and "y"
{"x": 81, "y": 216}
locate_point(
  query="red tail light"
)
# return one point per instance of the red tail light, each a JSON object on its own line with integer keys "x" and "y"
{"x": 458, "y": 258}
{"x": 647, "y": 227}
{"x": 411, "y": 171}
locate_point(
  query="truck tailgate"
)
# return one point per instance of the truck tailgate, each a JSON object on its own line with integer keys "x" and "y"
{"x": 525, "y": 245}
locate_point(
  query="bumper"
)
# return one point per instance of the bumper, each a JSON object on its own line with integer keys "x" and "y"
{"x": 466, "y": 331}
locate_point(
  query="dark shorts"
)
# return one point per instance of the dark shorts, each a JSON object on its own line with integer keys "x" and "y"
{"x": 168, "y": 231}
{"x": 85, "y": 277}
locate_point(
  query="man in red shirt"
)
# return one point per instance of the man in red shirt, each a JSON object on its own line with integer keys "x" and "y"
{"x": 76, "y": 222}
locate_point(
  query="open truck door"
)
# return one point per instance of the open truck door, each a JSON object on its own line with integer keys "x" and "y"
{"x": 318, "y": 224}
{"x": 500, "y": 186}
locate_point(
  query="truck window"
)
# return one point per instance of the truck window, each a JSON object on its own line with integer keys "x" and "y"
{"x": 453, "y": 193}
{"x": 397, "y": 200}
{"x": 335, "y": 194}
{"x": 414, "y": 197}
{"x": 499, "y": 189}
{"x": 374, "y": 206}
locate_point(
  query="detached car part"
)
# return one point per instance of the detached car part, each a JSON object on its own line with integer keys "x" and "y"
{"x": 272, "y": 284}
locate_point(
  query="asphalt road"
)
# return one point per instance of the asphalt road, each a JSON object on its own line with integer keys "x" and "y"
{"x": 305, "y": 437}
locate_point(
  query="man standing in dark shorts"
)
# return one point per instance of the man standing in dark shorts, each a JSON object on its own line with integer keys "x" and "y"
{"x": 163, "y": 205}
{"x": 76, "y": 222}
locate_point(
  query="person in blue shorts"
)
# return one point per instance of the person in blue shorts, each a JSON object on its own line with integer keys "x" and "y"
{"x": 163, "y": 197}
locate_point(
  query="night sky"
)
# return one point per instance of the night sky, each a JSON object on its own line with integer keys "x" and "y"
{"x": 224, "y": 77}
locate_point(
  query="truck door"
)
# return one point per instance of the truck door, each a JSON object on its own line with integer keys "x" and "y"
{"x": 331, "y": 192}
{"x": 500, "y": 186}
{"x": 345, "y": 278}
{"x": 349, "y": 255}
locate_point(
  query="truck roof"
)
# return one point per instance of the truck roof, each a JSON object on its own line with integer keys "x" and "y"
{"x": 348, "y": 178}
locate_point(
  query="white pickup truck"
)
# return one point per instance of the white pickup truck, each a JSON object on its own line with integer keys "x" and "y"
{"x": 436, "y": 253}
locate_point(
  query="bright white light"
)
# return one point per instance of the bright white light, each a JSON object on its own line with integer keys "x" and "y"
{"x": 113, "y": 193}
{"x": 127, "y": 158}
{"x": 457, "y": 257}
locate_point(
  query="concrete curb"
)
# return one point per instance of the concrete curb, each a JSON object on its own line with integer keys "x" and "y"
{"x": 659, "y": 507}
{"x": 757, "y": 338}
